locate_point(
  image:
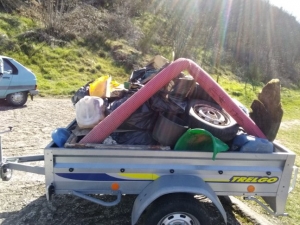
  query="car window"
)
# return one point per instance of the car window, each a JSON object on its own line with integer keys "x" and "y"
{"x": 9, "y": 67}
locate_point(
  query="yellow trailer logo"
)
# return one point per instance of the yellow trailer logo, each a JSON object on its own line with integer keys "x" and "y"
{"x": 245, "y": 179}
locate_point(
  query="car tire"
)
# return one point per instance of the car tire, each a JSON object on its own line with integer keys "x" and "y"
{"x": 177, "y": 209}
{"x": 211, "y": 117}
{"x": 17, "y": 99}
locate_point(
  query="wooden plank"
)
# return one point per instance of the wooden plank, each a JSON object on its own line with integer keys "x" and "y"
{"x": 71, "y": 140}
{"x": 81, "y": 132}
{"x": 119, "y": 147}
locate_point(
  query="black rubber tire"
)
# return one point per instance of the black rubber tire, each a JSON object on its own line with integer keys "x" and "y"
{"x": 183, "y": 207}
{"x": 211, "y": 117}
{"x": 17, "y": 99}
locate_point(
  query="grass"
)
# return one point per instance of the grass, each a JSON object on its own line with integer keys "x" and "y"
{"x": 61, "y": 71}
{"x": 288, "y": 135}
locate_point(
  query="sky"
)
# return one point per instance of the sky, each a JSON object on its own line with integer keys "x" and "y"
{"x": 291, "y": 6}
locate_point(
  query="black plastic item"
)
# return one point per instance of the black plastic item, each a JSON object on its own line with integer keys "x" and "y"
{"x": 148, "y": 75}
{"x": 81, "y": 92}
{"x": 137, "y": 74}
{"x": 162, "y": 102}
{"x": 142, "y": 75}
{"x": 134, "y": 138}
{"x": 168, "y": 129}
{"x": 142, "y": 119}
{"x": 172, "y": 98}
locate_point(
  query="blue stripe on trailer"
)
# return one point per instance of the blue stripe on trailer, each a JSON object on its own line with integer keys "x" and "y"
{"x": 92, "y": 177}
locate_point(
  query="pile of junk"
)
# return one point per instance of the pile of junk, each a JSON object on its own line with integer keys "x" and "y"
{"x": 176, "y": 114}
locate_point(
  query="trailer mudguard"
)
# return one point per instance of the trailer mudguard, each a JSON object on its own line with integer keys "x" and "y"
{"x": 173, "y": 184}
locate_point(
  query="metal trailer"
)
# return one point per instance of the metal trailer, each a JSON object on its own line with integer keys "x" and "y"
{"x": 160, "y": 176}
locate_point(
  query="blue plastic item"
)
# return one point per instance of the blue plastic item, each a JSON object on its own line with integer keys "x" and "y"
{"x": 60, "y": 136}
{"x": 248, "y": 143}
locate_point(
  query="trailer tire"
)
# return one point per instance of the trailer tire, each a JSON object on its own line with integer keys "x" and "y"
{"x": 180, "y": 208}
{"x": 211, "y": 117}
{"x": 17, "y": 99}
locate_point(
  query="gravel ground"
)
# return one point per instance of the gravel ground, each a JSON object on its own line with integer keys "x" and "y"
{"x": 22, "y": 199}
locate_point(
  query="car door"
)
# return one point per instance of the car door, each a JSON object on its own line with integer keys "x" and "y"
{"x": 6, "y": 78}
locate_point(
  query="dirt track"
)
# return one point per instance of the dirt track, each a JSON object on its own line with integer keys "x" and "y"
{"x": 22, "y": 199}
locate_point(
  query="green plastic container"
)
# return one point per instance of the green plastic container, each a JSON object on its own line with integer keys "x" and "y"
{"x": 200, "y": 140}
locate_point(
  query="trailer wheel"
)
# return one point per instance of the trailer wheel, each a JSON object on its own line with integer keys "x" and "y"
{"x": 5, "y": 173}
{"x": 17, "y": 99}
{"x": 176, "y": 209}
{"x": 213, "y": 118}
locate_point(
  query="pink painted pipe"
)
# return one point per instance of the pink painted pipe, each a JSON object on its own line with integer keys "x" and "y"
{"x": 119, "y": 115}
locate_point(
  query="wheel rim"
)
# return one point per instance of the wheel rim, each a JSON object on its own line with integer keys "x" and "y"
{"x": 179, "y": 218}
{"x": 212, "y": 115}
{"x": 17, "y": 97}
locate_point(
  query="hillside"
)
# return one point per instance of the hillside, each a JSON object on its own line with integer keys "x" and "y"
{"x": 69, "y": 42}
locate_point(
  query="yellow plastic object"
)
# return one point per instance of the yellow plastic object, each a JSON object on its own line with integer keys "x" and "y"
{"x": 100, "y": 87}
{"x": 114, "y": 84}
{"x": 200, "y": 140}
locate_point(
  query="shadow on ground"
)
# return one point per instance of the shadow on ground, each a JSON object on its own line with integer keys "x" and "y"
{"x": 71, "y": 210}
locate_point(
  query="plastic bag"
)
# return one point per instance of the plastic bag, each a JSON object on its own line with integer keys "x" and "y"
{"x": 162, "y": 102}
{"x": 172, "y": 98}
{"x": 134, "y": 138}
{"x": 89, "y": 111}
{"x": 142, "y": 119}
{"x": 249, "y": 143}
{"x": 81, "y": 92}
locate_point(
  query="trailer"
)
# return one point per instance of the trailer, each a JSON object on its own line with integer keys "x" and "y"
{"x": 164, "y": 181}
